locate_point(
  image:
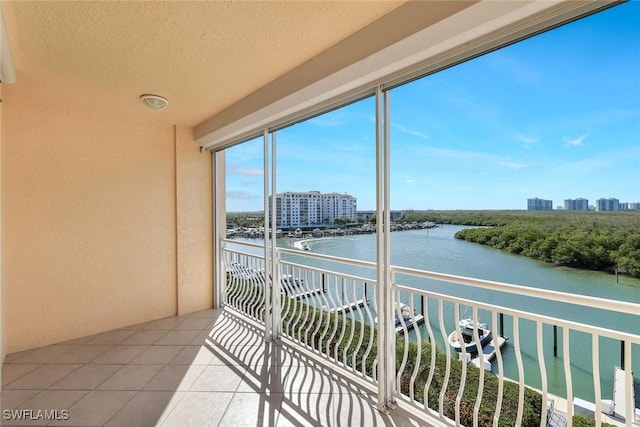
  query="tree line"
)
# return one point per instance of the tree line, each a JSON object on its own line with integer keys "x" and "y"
{"x": 604, "y": 241}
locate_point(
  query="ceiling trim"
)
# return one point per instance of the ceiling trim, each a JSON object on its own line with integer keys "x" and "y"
{"x": 472, "y": 31}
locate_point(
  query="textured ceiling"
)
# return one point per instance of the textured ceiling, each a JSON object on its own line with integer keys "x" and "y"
{"x": 202, "y": 56}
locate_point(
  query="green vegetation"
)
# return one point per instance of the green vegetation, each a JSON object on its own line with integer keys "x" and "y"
{"x": 342, "y": 221}
{"x": 245, "y": 219}
{"x": 579, "y": 421}
{"x": 532, "y": 400}
{"x": 603, "y": 241}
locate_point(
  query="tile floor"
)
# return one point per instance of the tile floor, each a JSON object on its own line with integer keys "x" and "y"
{"x": 209, "y": 368}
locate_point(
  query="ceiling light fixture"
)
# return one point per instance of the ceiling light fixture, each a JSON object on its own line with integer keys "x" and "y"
{"x": 154, "y": 102}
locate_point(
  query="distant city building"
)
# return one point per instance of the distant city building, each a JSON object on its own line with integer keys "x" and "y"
{"x": 367, "y": 215}
{"x": 608, "y": 205}
{"x": 301, "y": 209}
{"x": 576, "y": 204}
{"x": 630, "y": 206}
{"x": 537, "y": 204}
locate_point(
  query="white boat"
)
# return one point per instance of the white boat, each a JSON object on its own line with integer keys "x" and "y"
{"x": 464, "y": 336}
{"x": 405, "y": 316}
{"x": 305, "y": 246}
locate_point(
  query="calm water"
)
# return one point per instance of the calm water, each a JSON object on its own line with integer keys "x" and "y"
{"x": 437, "y": 250}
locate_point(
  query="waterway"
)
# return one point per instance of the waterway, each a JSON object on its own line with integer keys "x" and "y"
{"x": 437, "y": 250}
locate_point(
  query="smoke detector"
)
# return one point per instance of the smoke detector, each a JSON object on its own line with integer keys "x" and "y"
{"x": 154, "y": 102}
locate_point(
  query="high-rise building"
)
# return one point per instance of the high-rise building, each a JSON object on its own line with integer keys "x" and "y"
{"x": 579, "y": 204}
{"x": 335, "y": 205}
{"x": 537, "y": 204}
{"x": 299, "y": 209}
{"x": 608, "y": 205}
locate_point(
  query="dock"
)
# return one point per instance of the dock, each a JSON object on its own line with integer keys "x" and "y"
{"x": 347, "y": 307}
{"x": 620, "y": 398}
{"x": 483, "y": 360}
{"x": 418, "y": 319}
{"x": 307, "y": 294}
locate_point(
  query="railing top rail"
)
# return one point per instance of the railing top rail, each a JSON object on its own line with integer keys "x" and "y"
{"x": 577, "y": 299}
{"x": 359, "y": 263}
{"x": 370, "y": 281}
{"x": 241, "y": 252}
{"x": 235, "y": 242}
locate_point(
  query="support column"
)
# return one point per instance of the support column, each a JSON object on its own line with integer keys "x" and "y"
{"x": 219, "y": 226}
{"x": 268, "y": 274}
{"x": 276, "y": 328}
{"x": 386, "y": 329}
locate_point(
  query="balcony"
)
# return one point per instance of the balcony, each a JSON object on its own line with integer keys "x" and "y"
{"x": 226, "y": 367}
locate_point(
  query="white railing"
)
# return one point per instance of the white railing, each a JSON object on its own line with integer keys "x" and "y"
{"x": 529, "y": 382}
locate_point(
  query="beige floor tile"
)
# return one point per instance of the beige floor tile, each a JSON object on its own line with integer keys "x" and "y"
{"x": 54, "y": 399}
{"x": 96, "y": 408}
{"x": 87, "y": 377}
{"x": 166, "y": 323}
{"x": 50, "y": 400}
{"x": 44, "y": 354}
{"x": 175, "y": 399}
{"x": 193, "y": 355}
{"x": 198, "y": 409}
{"x": 13, "y": 371}
{"x": 201, "y": 338}
{"x": 144, "y": 337}
{"x": 265, "y": 379}
{"x": 131, "y": 377}
{"x": 309, "y": 379}
{"x": 178, "y": 337}
{"x": 111, "y": 337}
{"x": 154, "y": 355}
{"x": 209, "y": 314}
{"x": 175, "y": 377}
{"x": 12, "y": 399}
{"x": 145, "y": 409}
{"x": 136, "y": 326}
{"x": 81, "y": 354}
{"x": 219, "y": 378}
{"x": 251, "y": 409}
{"x": 120, "y": 354}
{"x": 43, "y": 377}
{"x": 311, "y": 409}
{"x": 198, "y": 323}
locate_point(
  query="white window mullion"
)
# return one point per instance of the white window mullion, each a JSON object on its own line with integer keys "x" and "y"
{"x": 268, "y": 321}
{"x": 275, "y": 256}
{"x": 220, "y": 225}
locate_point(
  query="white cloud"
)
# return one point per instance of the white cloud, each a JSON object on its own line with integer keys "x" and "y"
{"x": 576, "y": 142}
{"x": 410, "y": 181}
{"x": 410, "y": 131}
{"x": 240, "y": 194}
{"x": 235, "y": 169}
{"x": 527, "y": 141}
{"x": 513, "y": 165}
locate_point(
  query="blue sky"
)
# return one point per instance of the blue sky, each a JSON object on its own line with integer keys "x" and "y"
{"x": 556, "y": 116}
